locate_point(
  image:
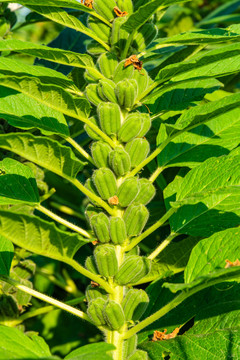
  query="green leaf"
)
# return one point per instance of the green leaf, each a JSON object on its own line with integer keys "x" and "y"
{"x": 96, "y": 351}
{"x": 6, "y": 255}
{"x": 210, "y": 254}
{"x": 17, "y": 183}
{"x": 45, "y": 152}
{"x": 39, "y": 236}
{"x": 214, "y": 184}
{"x": 143, "y": 13}
{"x": 225, "y": 9}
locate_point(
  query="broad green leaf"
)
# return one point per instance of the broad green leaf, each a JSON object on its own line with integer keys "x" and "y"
{"x": 214, "y": 187}
{"x": 39, "y": 236}
{"x": 14, "y": 344}
{"x": 225, "y": 9}
{"x": 24, "y": 112}
{"x": 210, "y": 254}
{"x": 98, "y": 351}
{"x": 143, "y": 13}
{"x": 17, "y": 183}
{"x": 6, "y": 255}
{"x": 45, "y": 152}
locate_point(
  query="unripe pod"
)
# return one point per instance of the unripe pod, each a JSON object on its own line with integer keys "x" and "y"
{"x": 90, "y": 77}
{"x": 131, "y": 127}
{"x": 119, "y": 161}
{"x": 102, "y": 30}
{"x": 138, "y": 355}
{"x": 125, "y": 5}
{"x": 145, "y": 35}
{"x": 107, "y": 63}
{"x": 146, "y": 123}
{"x": 129, "y": 346}
{"x": 126, "y": 91}
{"x": 105, "y": 182}
{"x": 92, "y": 94}
{"x": 100, "y": 151}
{"x": 119, "y": 36}
{"x": 109, "y": 115}
{"x": 107, "y": 88}
{"x": 146, "y": 192}
{"x": 118, "y": 232}
{"x": 91, "y": 133}
{"x": 95, "y": 292}
{"x": 106, "y": 260}
{"x": 105, "y": 8}
{"x": 138, "y": 150}
{"x": 114, "y": 315}
{"x": 128, "y": 191}
{"x": 134, "y": 251}
{"x": 135, "y": 217}
{"x": 100, "y": 225}
{"x": 90, "y": 265}
{"x": 90, "y": 211}
{"x": 91, "y": 187}
{"x": 135, "y": 304}
{"x": 95, "y": 311}
{"x": 133, "y": 269}
{"x": 94, "y": 48}
{"x": 100, "y": 93}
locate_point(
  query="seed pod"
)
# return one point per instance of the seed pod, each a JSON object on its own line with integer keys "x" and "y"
{"x": 118, "y": 232}
{"x": 95, "y": 292}
{"x": 135, "y": 217}
{"x": 131, "y": 127}
{"x": 109, "y": 115}
{"x": 105, "y": 182}
{"x": 119, "y": 161}
{"x": 106, "y": 260}
{"x": 107, "y": 88}
{"x": 94, "y": 48}
{"x": 98, "y": 27}
{"x": 138, "y": 355}
{"x": 91, "y": 133}
{"x": 114, "y": 315}
{"x": 134, "y": 251}
{"x": 91, "y": 187}
{"x": 133, "y": 269}
{"x": 146, "y": 192}
{"x": 121, "y": 72}
{"x": 91, "y": 93}
{"x": 128, "y": 191}
{"x": 107, "y": 63}
{"x": 119, "y": 36}
{"x": 129, "y": 346}
{"x": 100, "y": 225}
{"x": 135, "y": 304}
{"x": 105, "y": 8}
{"x": 125, "y": 5}
{"x": 146, "y": 123}
{"x": 90, "y": 211}
{"x": 138, "y": 150}
{"x": 90, "y": 265}
{"x": 95, "y": 311}
{"x": 144, "y": 36}
{"x": 126, "y": 92}
{"x": 100, "y": 151}
{"x": 100, "y": 93}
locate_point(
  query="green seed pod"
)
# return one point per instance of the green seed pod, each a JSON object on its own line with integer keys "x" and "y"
{"x": 105, "y": 182}
{"x": 135, "y": 217}
{"x": 128, "y": 191}
{"x": 90, "y": 211}
{"x": 114, "y": 315}
{"x": 119, "y": 36}
{"x": 91, "y": 93}
{"x": 105, "y": 8}
{"x": 91, "y": 187}
{"x": 135, "y": 304}
{"x": 129, "y": 346}
{"x": 100, "y": 151}
{"x": 138, "y": 355}
{"x": 90, "y": 265}
{"x": 119, "y": 161}
{"x": 91, "y": 133}
{"x": 145, "y": 35}
{"x": 121, "y": 72}
{"x": 94, "y": 48}
{"x": 106, "y": 260}
{"x": 95, "y": 311}
{"x": 107, "y": 87}
{"x": 107, "y": 63}
{"x": 100, "y": 225}
{"x": 98, "y": 27}
{"x": 125, "y": 5}
{"x": 142, "y": 78}
{"x": 146, "y": 124}
{"x": 146, "y": 192}
{"x": 100, "y": 93}
{"x": 134, "y": 251}
{"x": 109, "y": 115}
{"x": 126, "y": 92}
{"x": 118, "y": 232}
{"x": 138, "y": 150}
{"x": 95, "y": 292}
{"x": 133, "y": 269}
{"x": 131, "y": 127}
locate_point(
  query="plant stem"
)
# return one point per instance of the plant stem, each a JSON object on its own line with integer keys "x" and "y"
{"x": 162, "y": 246}
{"x": 80, "y": 149}
{"x": 63, "y": 221}
{"x": 151, "y": 229}
{"x": 156, "y": 173}
{"x": 66, "y": 210}
{"x": 126, "y": 48}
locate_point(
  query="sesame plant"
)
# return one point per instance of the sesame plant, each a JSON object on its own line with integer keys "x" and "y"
{"x": 120, "y": 163}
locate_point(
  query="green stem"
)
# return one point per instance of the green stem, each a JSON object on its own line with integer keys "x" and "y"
{"x": 156, "y": 173}
{"x": 63, "y": 221}
{"x": 162, "y": 246}
{"x": 151, "y": 229}
{"x": 126, "y": 48}
{"x": 66, "y": 210}
{"x": 80, "y": 150}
